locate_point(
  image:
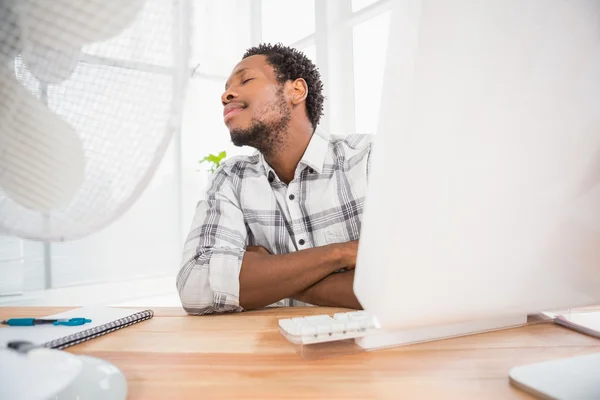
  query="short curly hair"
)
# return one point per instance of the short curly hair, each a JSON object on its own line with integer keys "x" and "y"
{"x": 291, "y": 64}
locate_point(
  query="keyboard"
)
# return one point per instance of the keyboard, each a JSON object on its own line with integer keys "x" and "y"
{"x": 324, "y": 328}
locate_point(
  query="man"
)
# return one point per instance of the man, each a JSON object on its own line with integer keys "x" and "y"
{"x": 282, "y": 225}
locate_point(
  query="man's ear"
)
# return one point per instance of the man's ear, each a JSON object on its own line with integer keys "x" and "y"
{"x": 299, "y": 91}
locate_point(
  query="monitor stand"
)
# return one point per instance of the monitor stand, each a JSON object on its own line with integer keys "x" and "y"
{"x": 568, "y": 378}
{"x": 385, "y": 339}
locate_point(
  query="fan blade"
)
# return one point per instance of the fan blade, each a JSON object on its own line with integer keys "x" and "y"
{"x": 50, "y": 65}
{"x": 73, "y": 23}
{"x": 41, "y": 156}
{"x": 10, "y": 37}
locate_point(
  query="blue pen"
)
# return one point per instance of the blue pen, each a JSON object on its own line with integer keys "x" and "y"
{"x": 42, "y": 321}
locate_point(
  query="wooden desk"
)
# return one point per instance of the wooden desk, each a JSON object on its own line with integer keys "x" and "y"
{"x": 175, "y": 356}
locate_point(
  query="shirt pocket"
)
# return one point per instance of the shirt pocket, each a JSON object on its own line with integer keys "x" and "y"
{"x": 332, "y": 237}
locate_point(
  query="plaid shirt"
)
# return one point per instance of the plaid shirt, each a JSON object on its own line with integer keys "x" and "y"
{"x": 247, "y": 204}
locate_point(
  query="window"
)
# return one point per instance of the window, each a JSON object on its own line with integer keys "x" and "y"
{"x": 220, "y": 35}
{"x": 370, "y": 47}
{"x": 287, "y": 21}
{"x": 311, "y": 53}
{"x": 358, "y": 5}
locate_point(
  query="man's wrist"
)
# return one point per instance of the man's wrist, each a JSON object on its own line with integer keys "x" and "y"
{"x": 338, "y": 256}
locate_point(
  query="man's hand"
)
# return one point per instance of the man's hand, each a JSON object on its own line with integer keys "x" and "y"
{"x": 348, "y": 252}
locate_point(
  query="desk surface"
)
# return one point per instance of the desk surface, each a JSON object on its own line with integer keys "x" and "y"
{"x": 175, "y": 356}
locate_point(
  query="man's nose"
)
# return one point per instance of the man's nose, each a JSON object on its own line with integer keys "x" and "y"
{"x": 227, "y": 97}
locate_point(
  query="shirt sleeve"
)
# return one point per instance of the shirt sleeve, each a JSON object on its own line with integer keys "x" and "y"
{"x": 208, "y": 281}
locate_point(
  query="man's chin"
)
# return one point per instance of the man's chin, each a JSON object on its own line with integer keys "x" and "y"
{"x": 238, "y": 138}
{"x": 253, "y": 136}
{"x": 238, "y": 143}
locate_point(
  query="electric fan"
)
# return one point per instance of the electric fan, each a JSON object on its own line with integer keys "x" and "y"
{"x": 90, "y": 94}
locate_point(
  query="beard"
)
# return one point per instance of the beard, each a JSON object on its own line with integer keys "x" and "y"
{"x": 265, "y": 136}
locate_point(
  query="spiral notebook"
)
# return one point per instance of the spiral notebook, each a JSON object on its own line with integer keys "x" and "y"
{"x": 104, "y": 320}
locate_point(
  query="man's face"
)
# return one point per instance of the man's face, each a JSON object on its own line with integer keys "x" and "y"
{"x": 255, "y": 108}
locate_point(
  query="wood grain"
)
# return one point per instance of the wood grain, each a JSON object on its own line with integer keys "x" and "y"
{"x": 175, "y": 356}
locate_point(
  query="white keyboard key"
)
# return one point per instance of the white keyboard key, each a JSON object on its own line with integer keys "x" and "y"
{"x": 359, "y": 316}
{"x": 319, "y": 318}
{"x": 353, "y": 326}
{"x": 285, "y": 323}
{"x": 365, "y": 321}
{"x": 338, "y": 327}
{"x": 323, "y": 329}
{"x": 340, "y": 316}
{"x": 289, "y": 326}
{"x": 306, "y": 322}
{"x": 308, "y": 330}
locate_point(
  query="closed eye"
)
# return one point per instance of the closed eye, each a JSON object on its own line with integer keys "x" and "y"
{"x": 246, "y": 80}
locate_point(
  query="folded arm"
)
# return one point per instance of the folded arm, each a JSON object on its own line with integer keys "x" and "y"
{"x": 336, "y": 290}
{"x": 265, "y": 278}
{"x": 219, "y": 275}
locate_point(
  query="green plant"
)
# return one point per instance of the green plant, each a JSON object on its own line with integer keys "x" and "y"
{"x": 214, "y": 160}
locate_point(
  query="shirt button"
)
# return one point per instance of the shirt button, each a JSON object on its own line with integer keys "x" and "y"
{"x": 301, "y": 242}
{"x": 292, "y": 197}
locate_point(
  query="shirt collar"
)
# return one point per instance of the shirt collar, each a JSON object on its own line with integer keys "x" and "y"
{"x": 314, "y": 155}
{"x": 316, "y": 152}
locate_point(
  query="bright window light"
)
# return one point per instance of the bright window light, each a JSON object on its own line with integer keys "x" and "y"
{"x": 370, "y": 47}
{"x": 287, "y": 21}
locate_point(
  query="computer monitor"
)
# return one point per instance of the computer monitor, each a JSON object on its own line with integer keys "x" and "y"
{"x": 484, "y": 192}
